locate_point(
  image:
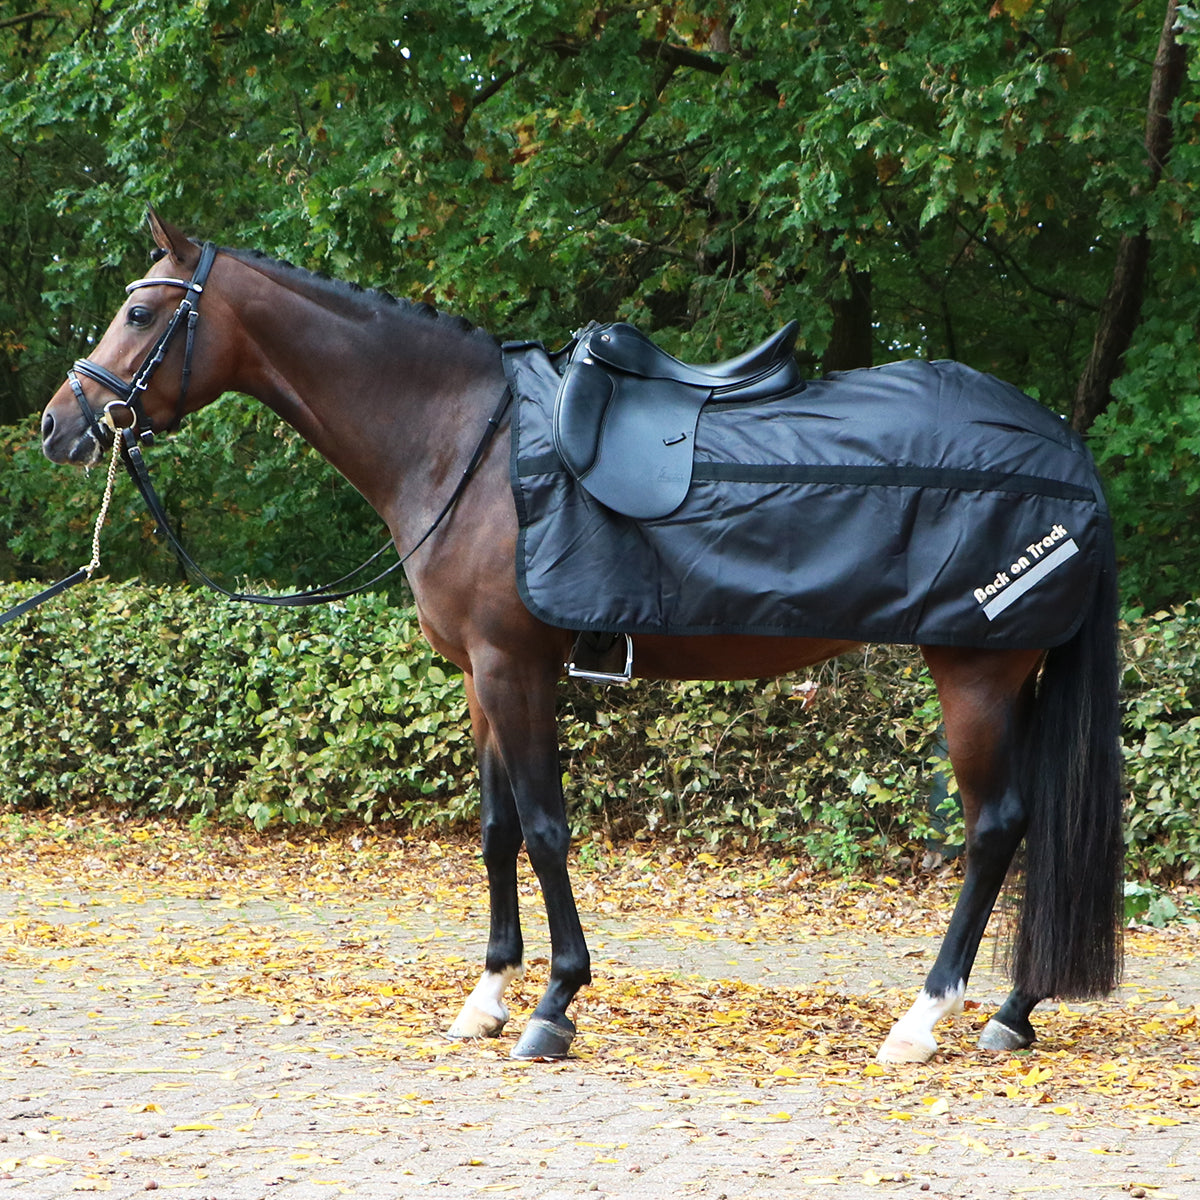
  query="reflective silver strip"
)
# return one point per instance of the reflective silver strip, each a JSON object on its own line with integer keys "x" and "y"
{"x": 1034, "y": 575}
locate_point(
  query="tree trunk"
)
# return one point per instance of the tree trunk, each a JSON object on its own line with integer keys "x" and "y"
{"x": 1122, "y": 307}
{"x": 852, "y": 339}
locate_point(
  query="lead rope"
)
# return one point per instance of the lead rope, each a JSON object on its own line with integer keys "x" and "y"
{"x": 113, "y": 463}
{"x": 84, "y": 573}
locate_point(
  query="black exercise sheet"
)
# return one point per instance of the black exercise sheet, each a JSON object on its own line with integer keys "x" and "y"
{"x": 918, "y": 502}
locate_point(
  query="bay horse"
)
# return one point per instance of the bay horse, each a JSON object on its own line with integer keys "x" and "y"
{"x": 395, "y": 396}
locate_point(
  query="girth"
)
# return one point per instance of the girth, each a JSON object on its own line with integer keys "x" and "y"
{"x": 626, "y": 412}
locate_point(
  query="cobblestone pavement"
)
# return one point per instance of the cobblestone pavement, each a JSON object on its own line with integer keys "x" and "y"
{"x": 134, "y": 1071}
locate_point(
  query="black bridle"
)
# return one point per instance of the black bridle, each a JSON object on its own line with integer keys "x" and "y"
{"x": 129, "y": 395}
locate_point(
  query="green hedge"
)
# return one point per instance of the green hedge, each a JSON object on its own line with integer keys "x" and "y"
{"x": 176, "y": 701}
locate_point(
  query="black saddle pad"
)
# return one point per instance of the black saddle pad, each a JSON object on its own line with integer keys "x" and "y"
{"x": 919, "y": 502}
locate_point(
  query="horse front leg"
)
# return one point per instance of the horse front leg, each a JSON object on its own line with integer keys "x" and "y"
{"x": 484, "y": 1014}
{"x": 517, "y": 702}
{"x": 984, "y": 699}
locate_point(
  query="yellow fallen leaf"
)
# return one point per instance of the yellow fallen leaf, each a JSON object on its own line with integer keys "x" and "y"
{"x": 192, "y": 1126}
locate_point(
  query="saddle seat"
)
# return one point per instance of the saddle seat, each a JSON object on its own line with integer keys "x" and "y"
{"x": 626, "y": 411}
{"x": 749, "y": 376}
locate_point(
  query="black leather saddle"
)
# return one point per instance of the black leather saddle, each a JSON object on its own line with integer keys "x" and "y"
{"x": 626, "y": 411}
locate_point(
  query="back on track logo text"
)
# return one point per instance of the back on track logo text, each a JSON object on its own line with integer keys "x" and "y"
{"x": 1039, "y": 558}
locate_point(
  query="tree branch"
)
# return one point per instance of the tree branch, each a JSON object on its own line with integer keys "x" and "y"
{"x": 645, "y": 115}
{"x": 1122, "y": 307}
{"x": 5, "y": 22}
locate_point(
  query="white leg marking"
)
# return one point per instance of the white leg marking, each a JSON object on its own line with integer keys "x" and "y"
{"x": 911, "y": 1038}
{"x": 484, "y": 1014}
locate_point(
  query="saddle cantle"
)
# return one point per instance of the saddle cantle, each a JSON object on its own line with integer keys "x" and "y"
{"x": 626, "y": 411}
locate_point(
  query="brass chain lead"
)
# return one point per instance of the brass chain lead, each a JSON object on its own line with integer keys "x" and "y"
{"x": 102, "y": 515}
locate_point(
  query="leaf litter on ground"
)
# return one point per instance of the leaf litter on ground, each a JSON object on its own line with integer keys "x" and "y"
{"x": 1140, "y": 1052}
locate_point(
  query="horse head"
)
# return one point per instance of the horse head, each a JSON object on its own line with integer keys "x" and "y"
{"x": 121, "y": 384}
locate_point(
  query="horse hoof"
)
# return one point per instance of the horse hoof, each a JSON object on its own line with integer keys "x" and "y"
{"x": 473, "y": 1022}
{"x": 901, "y": 1048}
{"x": 996, "y": 1036}
{"x": 544, "y": 1041}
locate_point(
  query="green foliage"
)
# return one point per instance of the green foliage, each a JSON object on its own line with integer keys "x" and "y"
{"x": 1162, "y": 742}
{"x": 171, "y": 701}
{"x": 1148, "y": 904}
{"x": 805, "y": 764}
{"x": 1147, "y": 444}
{"x": 168, "y": 700}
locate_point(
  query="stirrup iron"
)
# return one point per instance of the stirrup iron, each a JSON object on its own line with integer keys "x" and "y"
{"x": 596, "y": 673}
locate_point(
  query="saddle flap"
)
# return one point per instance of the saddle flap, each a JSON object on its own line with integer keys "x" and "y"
{"x": 628, "y": 441}
{"x": 579, "y": 411}
{"x": 643, "y": 467}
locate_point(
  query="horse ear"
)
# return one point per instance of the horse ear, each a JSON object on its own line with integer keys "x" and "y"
{"x": 173, "y": 241}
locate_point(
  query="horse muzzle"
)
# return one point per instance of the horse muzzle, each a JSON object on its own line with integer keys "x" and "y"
{"x": 67, "y": 438}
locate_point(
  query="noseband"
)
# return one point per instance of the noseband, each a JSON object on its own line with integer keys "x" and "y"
{"x": 129, "y": 395}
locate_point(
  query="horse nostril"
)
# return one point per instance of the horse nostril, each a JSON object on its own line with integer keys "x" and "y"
{"x": 47, "y": 426}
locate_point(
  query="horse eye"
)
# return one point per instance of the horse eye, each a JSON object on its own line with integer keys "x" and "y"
{"x": 140, "y": 315}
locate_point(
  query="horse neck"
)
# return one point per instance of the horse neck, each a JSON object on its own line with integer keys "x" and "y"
{"x": 393, "y": 398}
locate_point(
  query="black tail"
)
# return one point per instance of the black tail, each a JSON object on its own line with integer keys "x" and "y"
{"x": 1068, "y": 937}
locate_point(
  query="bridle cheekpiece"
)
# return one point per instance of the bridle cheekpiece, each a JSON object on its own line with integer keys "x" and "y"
{"x": 127, "y": 409}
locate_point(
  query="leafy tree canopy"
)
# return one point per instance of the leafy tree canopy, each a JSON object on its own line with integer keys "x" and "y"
{"x": 949, "y": 180}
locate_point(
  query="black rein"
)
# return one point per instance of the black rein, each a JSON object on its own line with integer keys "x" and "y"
{"x": 135, "y": 464}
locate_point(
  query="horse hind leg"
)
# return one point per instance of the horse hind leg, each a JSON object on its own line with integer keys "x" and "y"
{"x": 984, "y": 699}
{"x": 1068, "y": 931}
{"x": 1010, "y": 1029}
